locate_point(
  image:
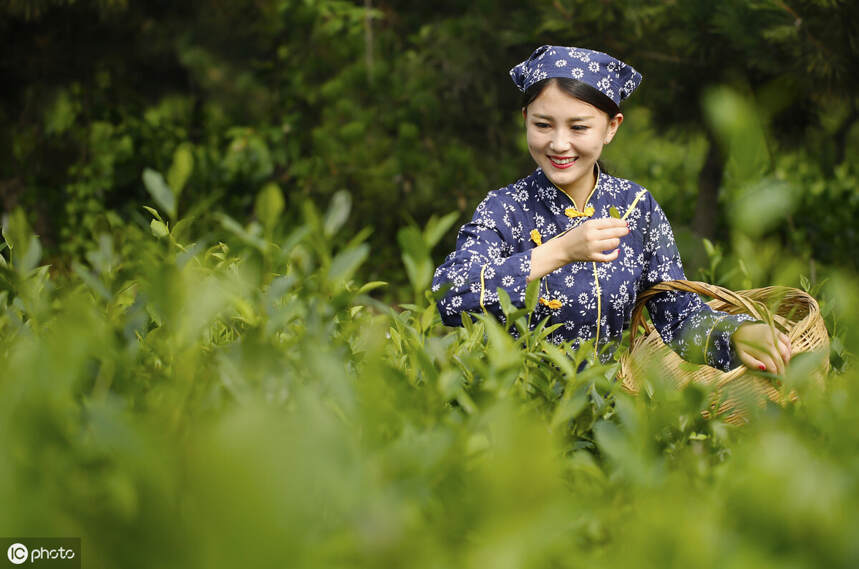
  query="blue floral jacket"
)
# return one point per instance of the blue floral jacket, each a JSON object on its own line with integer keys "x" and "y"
{"x": 591, "y": 299}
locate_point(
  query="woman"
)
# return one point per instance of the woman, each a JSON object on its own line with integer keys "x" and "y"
{"x": 594, "y": 240}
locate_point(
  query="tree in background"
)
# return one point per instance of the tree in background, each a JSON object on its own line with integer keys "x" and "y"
{"x": 407, "y": 106}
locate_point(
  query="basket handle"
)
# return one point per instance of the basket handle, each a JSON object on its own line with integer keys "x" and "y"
{"x": 754, "y": 308}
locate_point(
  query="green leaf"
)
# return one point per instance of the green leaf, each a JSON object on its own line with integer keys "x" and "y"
{"x": 93, "y": 282}
{"x": 612, "y": 211}
{"x": 373, "y": 285}
{"x": 30, "y": 259}
{"x": 428, "y": 316}
{"x": 160, "y": 192}
{"x": 532, "y": 295}
{"x": 180, "y": 170}
{"x": 763, "y": 205}
{"x": 502, "y": 351}
{"x": 506, "y": 305}
{"x": 560, "y": 359}
{"x": 449, "y": 383}
{"x": 159, "y": 229}
{"x": 25, "y": 250}
{"x": 344, "y": 265}
{"x": 246, "y": 235}
{"x": 269, "y": 205}
{"x": 14, "y": 227}
{"x": 709, "y": 247}
{"x": 61, "y": 115}
{"x": 338, "y": 213}
{"x": 154, "y": 212}
{"x": 412, "y": 242}
{"x": 436, "y": 228}
{"x": 568, "y": 408}
{"x": 416, "y": 258}
{"x": 419, "y": 272}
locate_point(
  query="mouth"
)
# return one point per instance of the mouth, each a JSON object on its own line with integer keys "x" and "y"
{"x": 562, "y": 162}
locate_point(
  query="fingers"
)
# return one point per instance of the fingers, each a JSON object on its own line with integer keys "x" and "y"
{"x": 606, "y": 222}
{"x": 606, "y": 258}
{"x": 607, "y": 244}
{"x": 595, "y": 231}
{"x": 611, "y": 232}
{"x": 784, "y": 346}
{"x": 750, "y": 361}
{"x": 604, "y": 235}
{"x": 590, "y": 240}
{"x": 759, "y": 361}
{"x": 763, "y": 348}
{"x": 773, "y": 362}
{"x": 784, "y": 349}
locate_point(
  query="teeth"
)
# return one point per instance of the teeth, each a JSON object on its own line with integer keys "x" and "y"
{"x": 563, "y": 160}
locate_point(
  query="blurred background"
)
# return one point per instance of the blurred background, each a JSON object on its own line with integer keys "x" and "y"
{"x": 409, "y": 107}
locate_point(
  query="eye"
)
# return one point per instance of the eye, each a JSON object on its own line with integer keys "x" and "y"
{"x": 579, "y": 127}
{"x": 541, "y": 124}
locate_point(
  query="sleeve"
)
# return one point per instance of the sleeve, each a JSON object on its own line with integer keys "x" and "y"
{"x": 482, "y": 263}
{"x": 696, "y": 332}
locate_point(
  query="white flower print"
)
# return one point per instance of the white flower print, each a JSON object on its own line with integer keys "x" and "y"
{"x": 594, "y": 67}
{"x": 561, "y": 63}
{"x": 525, "y": 265}
{"x": 497, "y": 242}
{"x": 577, "y": 73}
{"x": 521, "y": 195}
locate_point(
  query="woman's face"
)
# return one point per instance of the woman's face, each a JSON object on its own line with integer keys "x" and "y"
{"x": 566, "y": 136}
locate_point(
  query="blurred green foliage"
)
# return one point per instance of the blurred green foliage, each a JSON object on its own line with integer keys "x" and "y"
{"x": 220, "y": 222}
{"x": 190, "y": 396}
{"x": 409, "y": 108}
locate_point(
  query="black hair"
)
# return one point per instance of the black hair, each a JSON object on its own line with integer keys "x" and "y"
{"x": 575, "y": 88}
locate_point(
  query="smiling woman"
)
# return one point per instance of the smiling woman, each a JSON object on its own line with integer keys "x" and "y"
{"x": 592, "y": 118}
{"x": 594, "y": 241}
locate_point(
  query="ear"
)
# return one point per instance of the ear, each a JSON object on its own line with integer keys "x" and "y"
{"x": 613, "y": 125}
{"x": 524, "y": 113}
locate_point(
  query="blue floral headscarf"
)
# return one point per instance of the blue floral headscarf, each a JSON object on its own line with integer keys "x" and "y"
{"x": 608, "y": 75}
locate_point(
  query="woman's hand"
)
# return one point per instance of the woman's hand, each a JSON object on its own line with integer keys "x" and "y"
{"x": 584, "y": 243}
{"x": 758, "y": 348}
{"x": 588, "y": 241}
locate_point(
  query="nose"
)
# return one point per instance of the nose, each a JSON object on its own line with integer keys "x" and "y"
{"x": 560, "y": 143}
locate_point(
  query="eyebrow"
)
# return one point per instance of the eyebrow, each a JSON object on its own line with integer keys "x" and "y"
{"x": 572, "y": 119}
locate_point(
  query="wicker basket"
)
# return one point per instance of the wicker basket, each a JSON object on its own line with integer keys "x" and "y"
{"x": 791, "y": 310}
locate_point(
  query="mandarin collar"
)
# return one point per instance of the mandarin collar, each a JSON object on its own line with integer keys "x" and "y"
{"x": 552, "y": 195}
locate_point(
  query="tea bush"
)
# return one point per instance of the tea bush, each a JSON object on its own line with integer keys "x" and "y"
{"x": 190, "y": 396}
